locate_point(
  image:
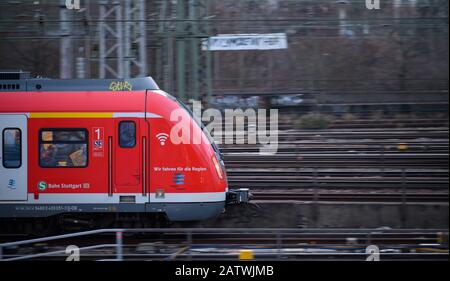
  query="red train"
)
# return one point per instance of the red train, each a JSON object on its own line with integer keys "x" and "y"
{"x": 71, "y": 147}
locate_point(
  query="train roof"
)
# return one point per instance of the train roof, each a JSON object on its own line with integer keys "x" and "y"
{"x": 20, "y": 82}
{"x": 19, "y": 93}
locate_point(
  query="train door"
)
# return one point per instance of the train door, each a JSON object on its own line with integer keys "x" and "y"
{"x": 127, "y": 157}
{"x": 13, "y": 157}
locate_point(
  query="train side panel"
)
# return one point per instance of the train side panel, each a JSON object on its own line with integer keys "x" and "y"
{"x": 86, "y": 162}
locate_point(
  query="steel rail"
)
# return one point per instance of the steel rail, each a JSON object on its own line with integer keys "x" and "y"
{"x": 416, "y": 236}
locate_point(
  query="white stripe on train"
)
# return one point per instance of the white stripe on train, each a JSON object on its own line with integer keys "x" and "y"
{"x": 103, "y": 198}
{"x": 135, "y": 115}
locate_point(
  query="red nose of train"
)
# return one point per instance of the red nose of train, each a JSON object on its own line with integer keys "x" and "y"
{"x": 188, "y": 168}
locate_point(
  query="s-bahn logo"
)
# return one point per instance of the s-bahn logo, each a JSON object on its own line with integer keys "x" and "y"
{"x": 73, "y": 4}
{"x": 98, "y": 144}
{"x": 42, "y": 185}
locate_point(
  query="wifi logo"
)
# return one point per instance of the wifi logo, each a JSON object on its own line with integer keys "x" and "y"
{"x": 162, "y": 137}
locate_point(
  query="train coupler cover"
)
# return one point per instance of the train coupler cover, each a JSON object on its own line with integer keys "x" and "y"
{"x": 238, "y": 196}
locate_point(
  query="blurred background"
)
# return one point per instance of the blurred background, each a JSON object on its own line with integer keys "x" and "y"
{"x": 337, "y": 51}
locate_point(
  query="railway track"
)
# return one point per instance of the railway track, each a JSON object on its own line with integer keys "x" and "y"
{"x": 338, "y": 177}
{"x": 382, "y": 124}
{"x": 354, "y": 183}
{"x": 374, "y": 134}
{"x": 350, "y": 146}
{"x": 418, "y": 163}
{"x": 372, "y": 124}
{"x": 225, "y": 244}
{"x": 353, "y": 197}
{"x": 338, "y": 149}
{"x": 355, "y": 172}
{"x": 371, "y": 159}
{"x": 337, "y": 161}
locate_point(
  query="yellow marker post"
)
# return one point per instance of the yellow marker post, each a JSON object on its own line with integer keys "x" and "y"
{"x": 245, "y": 255}
{"x": 440, "y": 237}
{"x": 402, "y": 146}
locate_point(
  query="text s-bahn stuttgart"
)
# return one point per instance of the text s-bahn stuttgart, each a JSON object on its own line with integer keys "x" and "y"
{"x": 102, "y": 147}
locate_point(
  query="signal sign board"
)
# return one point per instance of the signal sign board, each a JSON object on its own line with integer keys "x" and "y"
{"x": 233, "y": 42}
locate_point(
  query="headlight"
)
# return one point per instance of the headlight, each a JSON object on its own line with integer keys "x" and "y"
{"x": 217, "y": 166}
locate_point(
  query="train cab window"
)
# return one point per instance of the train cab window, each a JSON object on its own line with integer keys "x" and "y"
{"x": 12, "y": 148}
{"x": 127, "y": 134}
{"x": 63, "y": 148}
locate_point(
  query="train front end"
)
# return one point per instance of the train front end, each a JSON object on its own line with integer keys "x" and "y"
{"x": 188, "y": 178}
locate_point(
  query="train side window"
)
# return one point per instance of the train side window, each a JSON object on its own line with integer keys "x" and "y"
{"x": 127, "y": 134}
{"x": 12, "y": 148}
{"x": 63, "y": 148}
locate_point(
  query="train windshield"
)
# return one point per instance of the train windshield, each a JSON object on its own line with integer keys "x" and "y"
{"x": 201, "y": 125}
